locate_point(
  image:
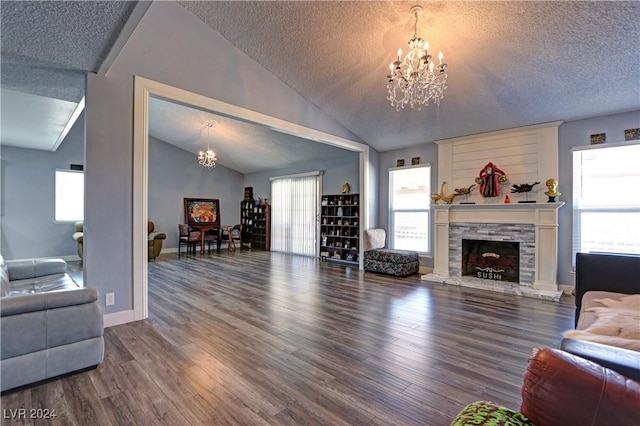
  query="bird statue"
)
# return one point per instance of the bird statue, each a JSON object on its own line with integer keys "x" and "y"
{"x": 523, "y": 187}
{"x": 435, "y": 197}
{"x": 449, "y": 197}
{"x": 464, "y": 191}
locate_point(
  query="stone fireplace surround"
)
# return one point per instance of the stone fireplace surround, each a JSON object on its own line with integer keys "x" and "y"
{"x": 534, "y": 226}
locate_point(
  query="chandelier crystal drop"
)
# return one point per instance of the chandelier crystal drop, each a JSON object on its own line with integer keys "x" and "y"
{"x": 416, "y": 79}
{"x": 207, "y": 159}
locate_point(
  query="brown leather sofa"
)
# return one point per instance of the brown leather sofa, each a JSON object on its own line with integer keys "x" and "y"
{"x": 562, "y": 389}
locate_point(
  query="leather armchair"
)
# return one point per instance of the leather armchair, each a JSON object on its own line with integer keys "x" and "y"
{"x": 78, "y": 236}
{"x": 563, "y": 389}
{"x": 155, "y": 241}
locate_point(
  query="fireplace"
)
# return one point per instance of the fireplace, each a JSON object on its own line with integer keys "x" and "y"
{"x": 529, "y": 232}
{"x": 491, "y": 260}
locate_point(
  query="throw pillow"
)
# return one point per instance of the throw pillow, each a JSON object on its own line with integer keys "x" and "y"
{"x": 489, "y": 413}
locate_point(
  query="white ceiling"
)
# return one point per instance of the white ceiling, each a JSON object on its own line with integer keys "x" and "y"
{"x": 511, "y": 63}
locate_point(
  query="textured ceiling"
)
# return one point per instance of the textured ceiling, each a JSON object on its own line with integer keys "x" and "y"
{"x": 47, "y": 48}
{"x": 511, "y": 64}
{"x": 241, "y": 146}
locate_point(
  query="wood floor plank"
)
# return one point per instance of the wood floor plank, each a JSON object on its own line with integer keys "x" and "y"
{"x": 263, "y": 338}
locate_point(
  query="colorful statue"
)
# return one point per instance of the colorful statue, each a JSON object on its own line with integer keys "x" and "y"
{"x": 490, "y": 179}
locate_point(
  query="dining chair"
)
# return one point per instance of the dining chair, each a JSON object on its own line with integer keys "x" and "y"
{"x": 188, "y": 237}
{"x": 232, "y": 235}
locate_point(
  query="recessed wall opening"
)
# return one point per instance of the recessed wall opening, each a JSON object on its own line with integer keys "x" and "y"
{"x": 491, "y": 260}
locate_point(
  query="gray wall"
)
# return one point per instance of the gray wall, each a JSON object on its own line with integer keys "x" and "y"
{"x": 175, "y": 174}
{"x": 572, "y": 134}
{"x": 337, "y": 172}
{"x": 28, "y": 228}
{"x": 428, "y": 153}
{"x": 171, "y": 46}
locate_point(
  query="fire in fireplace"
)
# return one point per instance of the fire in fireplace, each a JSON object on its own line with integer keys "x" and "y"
{"x": 491, "y": 260}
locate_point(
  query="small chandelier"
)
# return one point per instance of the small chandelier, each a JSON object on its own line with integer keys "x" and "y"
{"x": 207, "y": 159}
{"x": 415, "y": 80}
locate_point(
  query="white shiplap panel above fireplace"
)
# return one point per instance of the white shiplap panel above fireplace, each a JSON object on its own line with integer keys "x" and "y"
{"x": 526, "y": 155}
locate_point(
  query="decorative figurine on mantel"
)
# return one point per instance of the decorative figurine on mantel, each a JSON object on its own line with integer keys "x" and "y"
{"x": 435, "y": 197}
{"x": 446, "y": 198}
{"x": 523, "y": 188}
{"x": 552, "y": 190}
{"x": 464, "y": 192}
{"x": 490, "y": 179}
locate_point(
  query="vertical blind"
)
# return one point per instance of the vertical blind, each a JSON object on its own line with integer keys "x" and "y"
{"x": 294, "y": 214}
{"x": 606, "y": 199}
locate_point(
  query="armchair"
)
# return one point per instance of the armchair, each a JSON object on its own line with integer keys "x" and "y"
{"x": 155, "y": 241}
{"x": 78, "y": 236}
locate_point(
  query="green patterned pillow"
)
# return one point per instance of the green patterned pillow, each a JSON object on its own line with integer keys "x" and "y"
{"x": 488, "y": 413}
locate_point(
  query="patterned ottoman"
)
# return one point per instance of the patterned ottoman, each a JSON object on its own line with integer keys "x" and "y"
{"x": 391, "y": 262}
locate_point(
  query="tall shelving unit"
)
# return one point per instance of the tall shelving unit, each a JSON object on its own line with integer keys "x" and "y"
{"x": 246, "y": 220}
{"x": 256, "y": 225}
{"x": 339, "y": 228}
{"x": 261, "y": 235}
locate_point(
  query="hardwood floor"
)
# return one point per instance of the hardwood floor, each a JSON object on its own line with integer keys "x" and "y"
{"x": 265, "y": 338}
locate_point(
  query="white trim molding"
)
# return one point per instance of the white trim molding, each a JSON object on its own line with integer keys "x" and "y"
{"x": 143, "y": 89}
{"x": 543, "y": 217}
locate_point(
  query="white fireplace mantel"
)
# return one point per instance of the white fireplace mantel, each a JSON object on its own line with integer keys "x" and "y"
{"x": 543, "y": 216}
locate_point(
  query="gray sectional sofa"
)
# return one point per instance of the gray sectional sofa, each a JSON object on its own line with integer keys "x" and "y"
{"x": 50, "y": 326}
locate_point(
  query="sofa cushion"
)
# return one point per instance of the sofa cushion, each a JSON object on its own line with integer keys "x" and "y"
{"x": 22, "y": 303}
{"x": 5, "y": 285}
{"x": 43, "y": 284}
{"x": 30, "y": 268}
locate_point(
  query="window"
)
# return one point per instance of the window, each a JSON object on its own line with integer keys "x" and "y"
{"x": 69, "y": 196}
{"x": 409, "y": 208}
{"x": 294, "y": 213}
{"x": 606, "y": 199}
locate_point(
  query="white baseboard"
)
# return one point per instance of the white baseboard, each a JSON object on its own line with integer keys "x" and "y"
{"x": 118, "y": 318}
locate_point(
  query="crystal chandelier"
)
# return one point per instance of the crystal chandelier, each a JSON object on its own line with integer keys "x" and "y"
{"x": 207, "y": 159}
{"x": 415, "y": 80}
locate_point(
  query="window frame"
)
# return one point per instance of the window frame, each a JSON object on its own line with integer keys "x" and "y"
{"x": 392, "y": 211}
{"x": 579, "y": 207}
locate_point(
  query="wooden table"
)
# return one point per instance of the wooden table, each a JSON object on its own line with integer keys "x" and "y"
{"x": 204, "y": 227}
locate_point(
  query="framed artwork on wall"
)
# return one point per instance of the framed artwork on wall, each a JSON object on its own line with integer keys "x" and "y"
{"x": 198, "y": 211}
{"x": 598, "y": 138}
{"x": 415, "y": 160}
{"x": 632, "y": 134}
{"x": 400, "y": 163}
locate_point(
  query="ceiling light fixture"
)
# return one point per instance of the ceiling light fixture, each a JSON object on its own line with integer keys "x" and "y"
{"x": 207, "y": 159}
{"x": 415, "y": 80}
